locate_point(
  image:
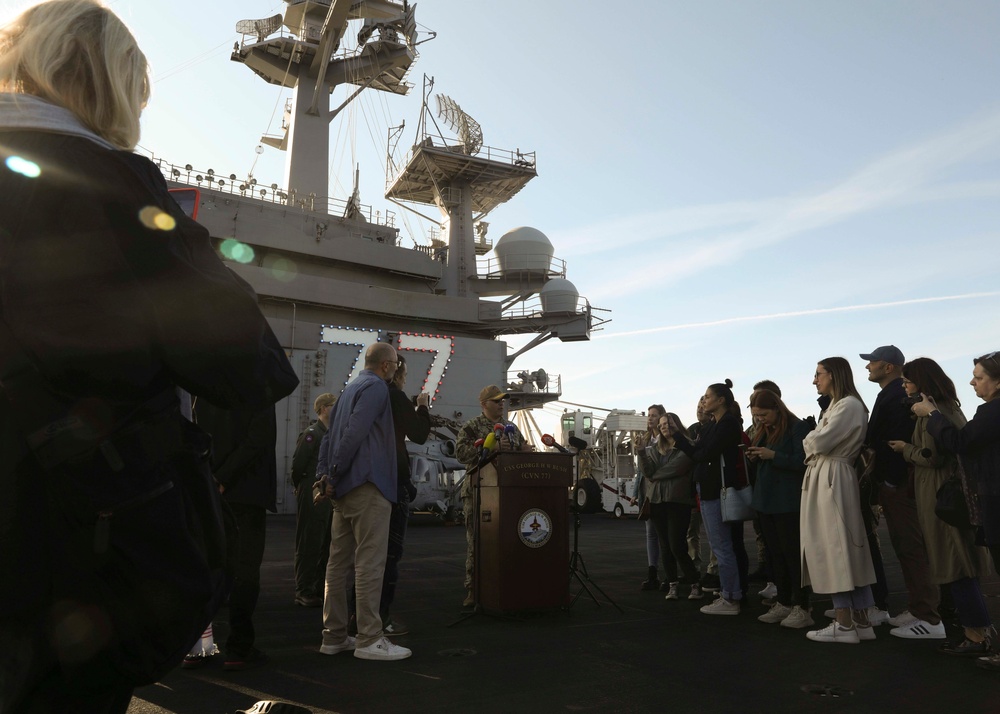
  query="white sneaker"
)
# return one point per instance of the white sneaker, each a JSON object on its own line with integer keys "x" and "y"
{"x": 798, "y": 618}
{"x": 382, "y": 649}
{"x": 877, "y": 617}
{"x": 696, "y": 593}
{"x": 835, "y": 633}
{"x": 345, "y": 646}
{"x": 671, "y": 592}
{"x": 721, "y": 606}
{"x": 770, "y": 592}
{"x": 920, "y": 630}
{"x": 902, "y": 619}
{"x": 777, "y": 613}
{"x": 831, "y": 613}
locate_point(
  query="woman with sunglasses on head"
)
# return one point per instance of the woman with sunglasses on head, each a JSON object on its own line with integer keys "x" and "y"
{"x": 668, "y": 487}
{"x": 716, "y": 454}
{"x": 952, "y": 554}
{"x": 977, "y": 443}
{"x": 835, "y": 555}
{"x": 780, "y": 459}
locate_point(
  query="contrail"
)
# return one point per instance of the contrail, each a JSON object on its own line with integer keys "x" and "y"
{"x": 798, "y": 313}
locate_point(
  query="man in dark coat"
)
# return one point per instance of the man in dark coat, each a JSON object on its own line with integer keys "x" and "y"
{"x": 243, "y": 464}
{"x": 891, "y": 420}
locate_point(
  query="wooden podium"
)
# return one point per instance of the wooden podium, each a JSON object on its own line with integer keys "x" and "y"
{"x": 523, "y": 553}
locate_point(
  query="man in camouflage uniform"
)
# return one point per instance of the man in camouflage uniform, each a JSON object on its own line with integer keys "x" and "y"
{"x": 491, "y": 401}
{"x": 312, "y": 521}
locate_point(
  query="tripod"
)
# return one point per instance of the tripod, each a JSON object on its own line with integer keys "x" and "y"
{"x": 577, "y": 566}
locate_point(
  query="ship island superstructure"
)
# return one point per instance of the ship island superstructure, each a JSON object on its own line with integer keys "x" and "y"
{"x": 331, "y": 275}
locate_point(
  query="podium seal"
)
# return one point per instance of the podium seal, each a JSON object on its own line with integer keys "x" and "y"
{"x": 534, "y": 528}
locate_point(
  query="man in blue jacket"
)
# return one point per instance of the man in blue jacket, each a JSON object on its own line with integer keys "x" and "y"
{"x": 357, "y": 462}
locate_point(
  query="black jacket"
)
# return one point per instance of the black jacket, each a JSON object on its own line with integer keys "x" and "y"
{"x": 408, "y": 423}
{"x": 890, "y": 420}
{"x": 717, "y": 440}
{"x": 115, "y": 297}
{"x": 978, "y": 443}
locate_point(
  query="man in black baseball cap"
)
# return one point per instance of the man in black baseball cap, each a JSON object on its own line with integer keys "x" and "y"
{"x": 890, "y": 420}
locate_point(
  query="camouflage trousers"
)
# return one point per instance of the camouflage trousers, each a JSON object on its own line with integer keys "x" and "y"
{"x": 468, "y": 510}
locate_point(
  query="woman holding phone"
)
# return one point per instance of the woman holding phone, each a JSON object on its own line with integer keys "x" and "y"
{"x": 667, "y": 484}
{"x": 780, "y": 459}
{"x": 716, "y": 454}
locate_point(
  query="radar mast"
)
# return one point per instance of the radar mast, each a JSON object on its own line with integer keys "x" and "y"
{"x": 307, "y": 58}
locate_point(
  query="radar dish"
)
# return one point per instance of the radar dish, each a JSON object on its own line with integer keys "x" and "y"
{"x": 468, "y": 129}
{"x": 261, "y": 28}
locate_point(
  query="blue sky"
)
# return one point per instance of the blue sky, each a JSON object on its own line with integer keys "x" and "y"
{"x": 748, "y": 186}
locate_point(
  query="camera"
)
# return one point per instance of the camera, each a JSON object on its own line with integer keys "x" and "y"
{"x": 910, "y": 400}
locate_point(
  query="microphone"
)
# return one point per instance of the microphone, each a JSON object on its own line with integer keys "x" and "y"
{"x": 489, "y": 446}
{"x": 550, "y": 442}
{"x": 510, "y": 430}
{"x": 479, "y": 448}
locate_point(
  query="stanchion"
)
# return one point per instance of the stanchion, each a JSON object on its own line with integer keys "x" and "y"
{"x": 577, "y": 565}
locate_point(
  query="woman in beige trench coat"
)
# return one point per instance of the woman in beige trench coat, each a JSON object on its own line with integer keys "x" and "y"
{"x": 835, "y": 555}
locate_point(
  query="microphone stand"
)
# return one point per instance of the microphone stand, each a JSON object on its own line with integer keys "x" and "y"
{"x": 577, "y": 566}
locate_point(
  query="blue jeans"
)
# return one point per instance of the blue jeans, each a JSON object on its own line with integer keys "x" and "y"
{"x": 652, "y": 545}
{"x": 858, "y": 599}
{"x": 720, "y": 538}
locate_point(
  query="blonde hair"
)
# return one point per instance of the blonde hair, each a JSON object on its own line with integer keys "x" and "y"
{"x": 79, "y": 55}
{"x": 324, "y": 400}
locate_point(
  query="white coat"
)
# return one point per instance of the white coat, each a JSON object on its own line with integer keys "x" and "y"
{"x": 835, "y": 555}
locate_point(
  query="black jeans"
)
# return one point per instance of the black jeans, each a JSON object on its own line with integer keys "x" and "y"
{"x": 397, "y": 533}
{"x": 252, "y": 524}
{"x": 782, "y": 540}
{"x": 671, "y": 521}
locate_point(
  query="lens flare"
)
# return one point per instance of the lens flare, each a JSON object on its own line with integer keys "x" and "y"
{"x": 156, "y": 219}
{"x": 24, "y": 167}
{"x": 236, "y": 251}
{"x": 283, "y": 269}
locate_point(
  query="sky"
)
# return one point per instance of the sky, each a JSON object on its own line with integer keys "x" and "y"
{"x": 747, "y": 186}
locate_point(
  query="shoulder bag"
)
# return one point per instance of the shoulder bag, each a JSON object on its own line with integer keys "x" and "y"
{"x": 735, "y": 502}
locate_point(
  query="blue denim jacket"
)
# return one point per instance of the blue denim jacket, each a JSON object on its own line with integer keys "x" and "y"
{"x": 361, "y": 441}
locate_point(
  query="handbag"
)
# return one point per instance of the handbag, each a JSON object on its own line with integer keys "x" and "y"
{"x": 950, "y": 505}
{"x": 644, "y": 511}
{"x": 735, "y": 502}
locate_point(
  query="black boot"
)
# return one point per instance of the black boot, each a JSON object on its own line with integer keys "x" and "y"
{"x": 651, "y": 583}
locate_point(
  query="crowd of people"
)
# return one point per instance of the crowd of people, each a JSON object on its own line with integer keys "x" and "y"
{"x": 125, "y": 341}
{"x": 819, "y": 488}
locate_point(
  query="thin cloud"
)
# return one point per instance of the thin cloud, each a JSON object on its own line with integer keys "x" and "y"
{"x": 797, "y": 313}
{"x": 903, "y": 176}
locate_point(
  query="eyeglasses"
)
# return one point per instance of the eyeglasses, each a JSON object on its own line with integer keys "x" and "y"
{"x": 907, "y": 381}
{"x": 820, "y": 374}
{"x": 991, "y": 355}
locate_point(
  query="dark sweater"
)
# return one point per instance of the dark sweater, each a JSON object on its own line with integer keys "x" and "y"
{"x": 978, "y": 443}
{"x": 719, "y": 440}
